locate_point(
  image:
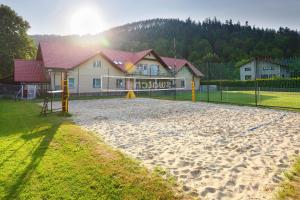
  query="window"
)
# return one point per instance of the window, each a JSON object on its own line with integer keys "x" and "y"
{"x": 264, "y": 76}
{"x": 57, "y": 87}
{"x": 97, "y": 63}
{"x": 182, "y": 83}
{"x": 265, "y": 68}
{"x": 71, "y": 83}
{"x": 139, "y": 69}
{"x": 154, "y": 70}
{"x": 117, "y": 62}
{"x": 145, "y": 69}
{"x": 248, "y": 77}
{"x": 119, "y": 83}
{"x": 96, "y": 83}
{"x": 247, "y": 69}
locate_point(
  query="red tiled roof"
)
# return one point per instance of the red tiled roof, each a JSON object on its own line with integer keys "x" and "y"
{"x": 66, "y": 55}
{"x": 122, "y": 58}
{"x": 70, "y": 54}
{"x": 30, "y": 71}
{"x": 179, "y": 63}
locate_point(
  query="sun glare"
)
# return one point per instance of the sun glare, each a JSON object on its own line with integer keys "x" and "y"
{"x": 86, "y": 21}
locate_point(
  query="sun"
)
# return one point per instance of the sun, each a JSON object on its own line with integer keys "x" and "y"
{"x": 86, "y": 20}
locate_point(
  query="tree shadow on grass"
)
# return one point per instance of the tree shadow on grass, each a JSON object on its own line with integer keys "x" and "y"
{"x": 37, "y": 155}
{"x": 26, "y": 137}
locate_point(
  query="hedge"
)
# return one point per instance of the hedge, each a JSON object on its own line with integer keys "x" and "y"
{"x": 270, "y": 83}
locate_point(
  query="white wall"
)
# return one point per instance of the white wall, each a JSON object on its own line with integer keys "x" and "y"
{"x": 85, "y": 73}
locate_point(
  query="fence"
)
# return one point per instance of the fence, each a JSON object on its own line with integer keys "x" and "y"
{"x": 274, "y": 83}
{"x": 222, "y": 84}
{"x": 9, "y": 90}
{"x": 282, "y": 97}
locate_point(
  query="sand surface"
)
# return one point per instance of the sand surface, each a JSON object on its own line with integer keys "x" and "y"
{"x": 214, "y": 151}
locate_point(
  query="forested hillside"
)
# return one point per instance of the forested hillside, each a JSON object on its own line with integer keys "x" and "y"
{"x": 198, "y": 41}
{"x": 230, "y": 41}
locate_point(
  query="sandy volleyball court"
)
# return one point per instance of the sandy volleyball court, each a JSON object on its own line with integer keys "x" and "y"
{"x": 215, "y": 151}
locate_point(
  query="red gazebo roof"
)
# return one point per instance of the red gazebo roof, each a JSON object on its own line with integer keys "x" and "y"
{"x": 30, "y": 71}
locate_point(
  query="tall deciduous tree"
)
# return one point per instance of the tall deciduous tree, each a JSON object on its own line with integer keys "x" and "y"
{"x": 14, "y": 41}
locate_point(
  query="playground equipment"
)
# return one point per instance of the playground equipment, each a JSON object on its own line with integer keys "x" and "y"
{"x": 50, "y": 95}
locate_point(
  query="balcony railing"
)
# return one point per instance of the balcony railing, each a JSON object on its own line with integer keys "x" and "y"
{"x": 151, "y": 75}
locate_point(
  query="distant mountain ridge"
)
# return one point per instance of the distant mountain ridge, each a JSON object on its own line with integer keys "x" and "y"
{"x": 231, "y": 42}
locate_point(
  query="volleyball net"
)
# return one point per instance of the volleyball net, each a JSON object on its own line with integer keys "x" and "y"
{"x": 141, "y": 84}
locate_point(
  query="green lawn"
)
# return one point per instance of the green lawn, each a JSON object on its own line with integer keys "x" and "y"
{"x": 290, "y": 187}
{"x": 51, "y": 158}
{"x": 278, "y": 99}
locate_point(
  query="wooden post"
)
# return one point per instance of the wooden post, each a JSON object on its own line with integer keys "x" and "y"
{"x": 200, "y": 89}
{"x": 193, "y": 90}
{"x": 65, "y": 94}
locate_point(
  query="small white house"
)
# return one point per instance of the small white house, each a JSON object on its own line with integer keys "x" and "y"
{"x": 263, "y": 69}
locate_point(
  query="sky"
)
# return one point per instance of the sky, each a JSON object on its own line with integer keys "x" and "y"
{"x": 65, "y": 17}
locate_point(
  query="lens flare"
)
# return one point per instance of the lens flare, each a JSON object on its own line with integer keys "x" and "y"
{"x": 86, "y": 20}
{"x": 129, "y": 67}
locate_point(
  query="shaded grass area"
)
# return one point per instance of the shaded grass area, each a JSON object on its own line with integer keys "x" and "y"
{"x": 51, "y": 158}
{"x": 290, "y": 188}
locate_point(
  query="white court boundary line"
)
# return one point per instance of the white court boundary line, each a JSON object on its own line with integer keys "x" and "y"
{"x": 143, "y": 78}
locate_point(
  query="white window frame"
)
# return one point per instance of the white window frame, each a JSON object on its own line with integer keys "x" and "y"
{"x": 140, "y": 68}
{"x": 182, "y": 85}
{"x": 250, "y": 77}
{"x": 73, "y": 85}
{"x": 97, "y": 63}
{"x": 100, "y": 83}
{"x": 266, "y": 68}
{"x": 156, "y": 70}
{"x": 264, "y": 76}
{"x": 145, "y": 69}
{"x": 118, "y": 85}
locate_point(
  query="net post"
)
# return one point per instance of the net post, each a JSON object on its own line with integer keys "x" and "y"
{"x": 193, "y": 91}
{"x": 130, "y": 94}
{"x": 65, "y": 94}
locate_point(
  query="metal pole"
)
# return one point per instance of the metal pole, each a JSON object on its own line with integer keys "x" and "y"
{"x": 255, "y": 81}
{"x": 107, "y": 80}
{"x": 207, "y": 85}
{"x": 51, "y": 101}
{"x": 150, "y": 82}
{"x": 62, "y": 88}
{"x": 221, "y": 90}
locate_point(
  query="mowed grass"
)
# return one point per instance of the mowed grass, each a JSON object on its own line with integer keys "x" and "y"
{"x": 51, "y": 158}
{"x": 265, "y": 98}
{"x": 290, "y": 188}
